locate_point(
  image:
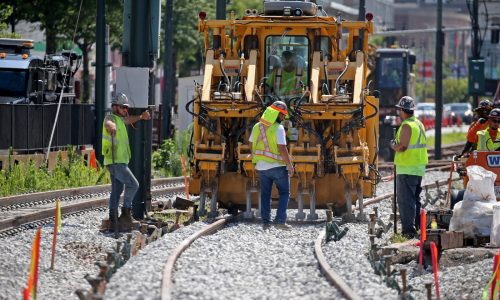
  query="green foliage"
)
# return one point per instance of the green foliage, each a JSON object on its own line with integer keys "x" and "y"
{"x": 188, "y": 42}
{"x": 398, "y": 238}
{"x": 239, "y": 7}
{"x": 448, "y": 138}
{"x": 5, "y": 12}
{"x": 167, "y": 159}
{"x": 377, "y": 41}
{"x": 454, "y": 90}
{"x": 28, "y": 178}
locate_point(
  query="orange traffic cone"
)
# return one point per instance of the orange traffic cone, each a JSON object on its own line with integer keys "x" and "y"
{"x": 93, "y": 162}
{"x": 432, "y": 121}
{"x": 445, "y": 122}
{"x": 450, "y": 123}
{"x": 459, "y": 121}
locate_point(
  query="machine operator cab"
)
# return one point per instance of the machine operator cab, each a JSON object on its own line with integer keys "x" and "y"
{"x": 286, "y": 66}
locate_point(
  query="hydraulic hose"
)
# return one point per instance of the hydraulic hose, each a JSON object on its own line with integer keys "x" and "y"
{"x": 340, "y": 76}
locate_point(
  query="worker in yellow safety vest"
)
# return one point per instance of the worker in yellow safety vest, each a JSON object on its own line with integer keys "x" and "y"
{"x": 116, "y": 152}
{"x": 272, "y": 162}
{"x": 410, "y": 160}
{"x": 287, "y": 80}
{"x": 487, "y": 138}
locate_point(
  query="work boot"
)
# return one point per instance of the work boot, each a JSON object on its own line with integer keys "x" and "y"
{"x": 113, "y": 223}
{"x": 126, "y": 220}
{"x": 283, "y": 226}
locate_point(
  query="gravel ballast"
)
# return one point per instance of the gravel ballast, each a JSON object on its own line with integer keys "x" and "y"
{"x": 240, "y": 261}
{"x": 79, "y": 245}
{"x": 255, "y": 264}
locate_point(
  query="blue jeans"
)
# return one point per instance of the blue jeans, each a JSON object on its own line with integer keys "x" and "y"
{"x": 121, "y": 175}
{"x": 408, "y": 193}
{"x": 279, "y": 176}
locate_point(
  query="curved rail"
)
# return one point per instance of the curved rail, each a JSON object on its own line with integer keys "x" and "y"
{"x": 329, "y": 273}
{"x": 166, "y": 285}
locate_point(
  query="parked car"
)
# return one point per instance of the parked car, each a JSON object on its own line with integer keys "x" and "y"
{"x": 464, "y": 110}
{"x": 425, "y": 109}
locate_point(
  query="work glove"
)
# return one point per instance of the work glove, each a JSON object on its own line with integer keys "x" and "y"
{"x": 482, "y": 120}
{"x": 393, "y": 144}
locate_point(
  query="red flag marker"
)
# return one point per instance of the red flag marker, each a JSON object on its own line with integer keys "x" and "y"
{"x": 93, "y": 161}
{"x": 186, "y": 183}
{"x": 57, "y": 228}
{"x": 435, "y": 267}
{"x": 496, "y": 279}
{"x": 30, "y": 290}
{"x": 423, "y": 236}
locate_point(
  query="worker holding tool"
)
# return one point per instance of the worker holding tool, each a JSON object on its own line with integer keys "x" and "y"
{"x": 482, "y": 112}
{"x": 116, "y": 152}
{"x": 410, "y": 161}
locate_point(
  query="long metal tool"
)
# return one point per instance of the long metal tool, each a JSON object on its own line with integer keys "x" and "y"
{"x": 394, "y": 201}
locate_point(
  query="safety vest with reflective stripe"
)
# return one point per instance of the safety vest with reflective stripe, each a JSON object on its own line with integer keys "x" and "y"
{"x": 289, "y": 87}
{"x": 416, "y": 153}
{"x": 122, "y": 147}
{"x": 264, "y": 144}
{"x": 485, "y": 142}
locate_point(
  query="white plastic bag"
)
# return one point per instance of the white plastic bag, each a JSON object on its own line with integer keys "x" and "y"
{"x": 472, "y": 217}
{"x": 481, "y": 185}
{"x": 495, "y": 227}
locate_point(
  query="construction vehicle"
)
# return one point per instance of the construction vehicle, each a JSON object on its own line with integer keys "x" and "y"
{"x": 333, "y": 120}
{"x": 26, "y": 78}
{"x": 394, "y": 78}
{"x": 489, "y": 160}
{"x": 30, "y": 89}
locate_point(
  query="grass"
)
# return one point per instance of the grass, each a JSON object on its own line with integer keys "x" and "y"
{"x": 398, "y": 238}
{"x": 448, "y": 138}
{"x": 29, "y": 178}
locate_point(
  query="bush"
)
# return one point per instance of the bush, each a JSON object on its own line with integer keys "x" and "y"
{"x": 167, "y": 159}
{"x": 28, "y": 178}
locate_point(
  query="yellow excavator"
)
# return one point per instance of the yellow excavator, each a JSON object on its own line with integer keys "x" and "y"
{"x": 332, "y": 131}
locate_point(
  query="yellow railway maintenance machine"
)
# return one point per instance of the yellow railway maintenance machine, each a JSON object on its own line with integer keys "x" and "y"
{"x": 333, "y": 126}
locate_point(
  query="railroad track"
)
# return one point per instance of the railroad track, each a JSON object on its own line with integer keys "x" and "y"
{"x": 328, "y": 272}
{"x": 33, "y": 209}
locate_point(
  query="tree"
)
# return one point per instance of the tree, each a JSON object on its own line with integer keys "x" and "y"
{"x": 5, "y": 12}
{"x": 188, "y": 42}
{"x": 85, "y": 36}
{"x": 239, "y": 7}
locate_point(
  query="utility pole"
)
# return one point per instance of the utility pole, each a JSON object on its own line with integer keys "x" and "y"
{"x": 100, "y": 66}
{"x": 476, "y": 51}
{"x": 220, "y": 13}
{"x": 361, "y": 10}
{"x": 361, "y": 17}
{"x": 168, "y": 73}
{"x": 139, "y": 52}
{"x": 439, "y": 80}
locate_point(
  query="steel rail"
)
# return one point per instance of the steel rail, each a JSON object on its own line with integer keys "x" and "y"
{"x": 47, "y": 213}
{"x": 390, "y": 194}
{"x": 329, "y": 273}
{"x": 105, "y": 188}
{"x": 166, "y": 285}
